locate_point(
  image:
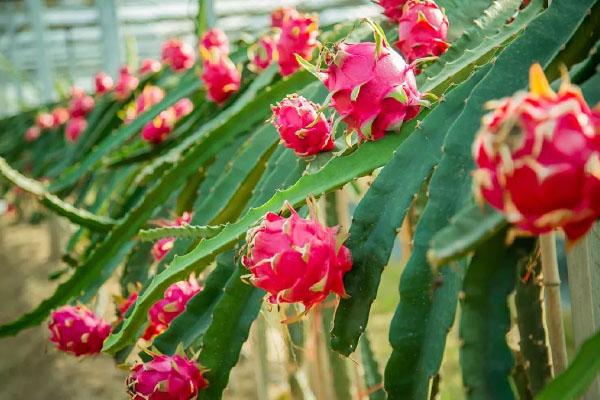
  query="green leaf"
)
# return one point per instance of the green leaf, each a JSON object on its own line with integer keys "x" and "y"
{"x": 573, "y": 382}
{"x": 187, "y": 231}
{"x": 465, "y": 232}
{"x": 52, "y": 202}
{"x": 376, "y": 220}
{"x": 485, "y": 357}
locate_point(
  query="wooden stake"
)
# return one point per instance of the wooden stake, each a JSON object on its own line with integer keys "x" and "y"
{"x": 554, "y": 321}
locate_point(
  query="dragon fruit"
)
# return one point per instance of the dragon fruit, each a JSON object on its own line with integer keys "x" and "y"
{"x": 262, "y": 54}
{"x": 298, "y": 36}
{"x": 302, "y": 127}
{"x": 170, "y": 306}
{"x": 160, "y": 127}
{"x": 213, "y": 40}
{"x": 77, "y": 330}
{"x": 183, "y": 107}
{"x": 538, "y": 158}
{"x": 103, "y": 83}
{"x": 150, "y": 96}
{"x": 162, "y": 247}
{"x": 149, "y": 66}
{"x": 125, "y": 304}
{"x": 165, "y": 378}
{"x": 279, "y": 14}
{"x": 221, "y": 77}
{"x": 44, "y": 120}
{"x": 373, "y": 93}
{"x": 126, "y": 85}
{"x": 32, "y": 133}
{"x": 81, "y": 103}
{"x": 296, "y": 259}
{"x": 392, "y": 8}
{"x": 422, "y": 30}
{"x": 177, "y": 54}
{"x": 75, "y": 128}
{"x": 60, "y": 116}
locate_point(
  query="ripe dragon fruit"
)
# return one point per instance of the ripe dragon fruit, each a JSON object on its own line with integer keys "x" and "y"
{"x": 126, "y": 85}
{"x": 162, "y": 247}
{"x": 296, "y": 259}
{"x": 279, "y": 14}
{"x": 103, "y": 83}
{"x": 126, "y": 304}
{"x": 32, "y": 133}
{"x": 44, "y": 120}
{"x": 213, "y": 40}
{"x": 165, "y": 378}
{"x": 183, "y": 107}
{"x": 150, "y": 96}
{"x": 170, "y": 306}
{"x": 75, "y": 128}
{"x": 77, "y": 330}
{"x": 373, "y": 93}
{"x": 538, "y": 158}
{"x": 81, "y": 103}
{"x": 302, "y": 127}
{"x": 60, "y": 116}
{"x": 422, "y": 30}
{"x": 392, "y": 8}
{"x": 149, "y": 66}
{"x": 177, "y": 54}
{"x": 262, "y": 54}
{"x": 160, "y": 127}
{"x": 298, "y": 36}
{"x": 221, "y": 78}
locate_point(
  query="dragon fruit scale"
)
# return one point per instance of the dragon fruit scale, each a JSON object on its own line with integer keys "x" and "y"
{"x": 213, "y": 40}
{"x": 296, "y": 259}
{"x": 279, "y": 14}
{"x": 538, "y": 159}
{"x": 165, "y": 378}
{"x": 298, "y": 36}
{"x": 262, "y": 54}
{"x": 392, "y": 8}
{"x": 170, "y": 306}
{"x": 373, "y": 92}
{"x": 422, "y": 30}
{"x": 77, "y": 330}
{"x": 177, "y": 54}
{"x": 221, "y": 78}
{"x": 301, "y": 126}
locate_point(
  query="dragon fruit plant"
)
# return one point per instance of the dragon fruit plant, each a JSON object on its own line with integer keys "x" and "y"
{"x": 166, "y": 378}
{"x": 77, "y": 330}
{"x": 538, "y": 158}
{"x": 446, "y": 152}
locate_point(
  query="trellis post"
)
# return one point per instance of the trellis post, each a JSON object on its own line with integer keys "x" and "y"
{"x": 113, "y": 52}
{"x": 44, "y": 64}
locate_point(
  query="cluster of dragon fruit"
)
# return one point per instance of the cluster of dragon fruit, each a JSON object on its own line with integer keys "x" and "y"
{"x": 537, "y": 156}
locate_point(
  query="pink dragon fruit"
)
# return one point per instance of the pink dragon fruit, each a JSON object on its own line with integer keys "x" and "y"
{"x": 392, "y": 8}
{"x": 178, "y": 55}
{"x": 160, "y": 127}
{"x": 44, "y": 120}
{"x": 262, "y": 54}
{"x": 296, "y": 259}
{"x": 150, "y": 96}
{"x": 60, "y": 116}
{"x": 126, "y": 85}
{"x": 538, "y": 158}
{"x": 213, "y": 40}
{"x": 77, "y": 330}
{"x": 170, "y": 306}
{"x": 149, "y": 66}
{"x": 162, "y": 247}
{"x": 279, "y": 14}
{"x": 126, "y": 304}
{"x": 165, "y": 378}
{"x": 221, "y": 77}
{"x": 32, "y": 133}
{"x": 81, "y": 103}
{"x": 103, "y": 83}
{"x": 302, "y": 127}
{"x": 298, "y": 36}
{"x": 75, "y": 128}
{"x": 183, "y": 107}
{"x": 422, "y": 30}
{"x": 373, "y": 93}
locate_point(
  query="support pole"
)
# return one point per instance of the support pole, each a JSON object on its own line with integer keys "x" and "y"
{"x": 113, "y": 51}
{"x": 44, "y": 68}
{"x": 554, "y": 321}
{"x": 584, "y": 285}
